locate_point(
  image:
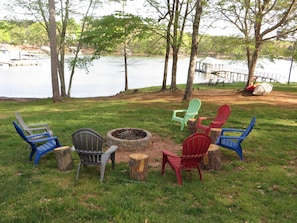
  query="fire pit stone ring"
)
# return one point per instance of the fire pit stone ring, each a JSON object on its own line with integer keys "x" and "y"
{"x": 129, "y": 139}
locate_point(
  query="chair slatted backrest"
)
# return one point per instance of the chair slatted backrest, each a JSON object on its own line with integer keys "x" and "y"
{"x": 223, "y": 113}
{"x": 194, "y": 106}
{"x": 88, "y": 145}
{"x": 22, "y": 134}
{"x": 249, "y": 128}
{"x": 194, "y": 148}
{"x": 22, "y": 123}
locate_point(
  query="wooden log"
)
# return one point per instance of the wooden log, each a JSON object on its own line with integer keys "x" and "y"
{"x": 213, "y": 160}
{"x": 192, "y": 125}
{"x": 138, "y": 166}
{"x": 64, "y": 158}
{"x": 214, "y": 134}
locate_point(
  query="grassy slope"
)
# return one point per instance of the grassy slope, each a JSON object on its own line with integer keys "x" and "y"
{"x": 260, "y": 189}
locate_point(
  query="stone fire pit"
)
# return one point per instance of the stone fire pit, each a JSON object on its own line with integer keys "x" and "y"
{"x": 129, "y": 139}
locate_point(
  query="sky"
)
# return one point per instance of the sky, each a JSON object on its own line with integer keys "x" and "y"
{"x": 135, "y": 7}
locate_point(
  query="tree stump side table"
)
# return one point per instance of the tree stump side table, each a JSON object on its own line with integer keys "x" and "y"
{"x": 214, "y": 134}
{"x": 212, "y": 161}
{"x": 138, "y": 166}
{"x": 64, "y": 158}
{"x": 192, "y": 125}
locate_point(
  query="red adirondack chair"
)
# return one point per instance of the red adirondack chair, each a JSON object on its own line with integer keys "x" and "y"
{"x": 221, "y": 118}
{"x": 194, "y": 148}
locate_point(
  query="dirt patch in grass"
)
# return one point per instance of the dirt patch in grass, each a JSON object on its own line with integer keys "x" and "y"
{"x": 219, "y": 97}
{"x": 215, "y": 96}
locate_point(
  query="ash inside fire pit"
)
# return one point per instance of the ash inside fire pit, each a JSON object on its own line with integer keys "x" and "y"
{"x": 129, "y": 134}
{"x": 130, "y": 139}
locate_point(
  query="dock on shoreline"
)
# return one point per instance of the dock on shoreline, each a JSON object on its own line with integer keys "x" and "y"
{"x": 16, "y": 63}
{"x": 234, "y": 74}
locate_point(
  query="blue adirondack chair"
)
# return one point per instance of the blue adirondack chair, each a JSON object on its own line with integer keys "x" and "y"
{"x": 190, "y": 112}
{"x": 40, "y": 143}
{"x": 233, "y": 142}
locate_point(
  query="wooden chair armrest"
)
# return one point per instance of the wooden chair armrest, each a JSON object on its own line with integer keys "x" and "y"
{"x": 39, "y": 125}
{"x": 44, "y": 134}
{"x": 231, "y": 130}
{"x": 169, "y": 153}
{"x": 43, "y": 139}
{"x": 230, "y": 137}
{"x": 200, "y": 119}
{"x": 111, "y": 149}
{"x": 177, "y": 111}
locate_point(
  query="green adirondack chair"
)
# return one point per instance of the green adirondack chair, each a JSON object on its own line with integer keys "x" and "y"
{"x": 191, "y": 112}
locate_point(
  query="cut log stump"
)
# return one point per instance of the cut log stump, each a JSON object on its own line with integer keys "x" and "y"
{"x": 214, "y": 134}
{"x": 64, "y": 158}
{"x": 192, "y": 125}
{"x": 138, "y": 165}
{"x": 213, "y": 160}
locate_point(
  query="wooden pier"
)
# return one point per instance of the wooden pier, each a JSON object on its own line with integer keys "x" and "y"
{"x": 233, "y": 74}
{"x": 16, "y": 63}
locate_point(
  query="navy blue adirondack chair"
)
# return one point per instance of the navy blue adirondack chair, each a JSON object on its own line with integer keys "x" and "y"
{"x": 234, "y": 142}
{"x": 40, "y": 143}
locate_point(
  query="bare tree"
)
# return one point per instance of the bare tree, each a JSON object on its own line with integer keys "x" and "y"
{"x": 76, "y": 61}
{"x": 39, "y": 10}
{"x": 173, "y": 14}
{"x": 168, "y": 45}
{"x": 165, "y": 16}
{"x": 194, "y": 50}
{"x": 259, "y": 21}
{"x": 179, "y": 23}
{"x": 53, "y": 46}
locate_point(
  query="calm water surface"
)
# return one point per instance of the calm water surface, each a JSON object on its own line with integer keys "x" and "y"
{"x": 105, "y": 77}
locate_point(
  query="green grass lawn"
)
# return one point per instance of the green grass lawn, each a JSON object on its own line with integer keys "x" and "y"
{"x": 262, "y": 188}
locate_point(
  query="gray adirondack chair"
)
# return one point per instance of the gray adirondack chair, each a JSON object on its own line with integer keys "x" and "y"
{"x": 88, "y": 145}
{"x": 33, "y": 128}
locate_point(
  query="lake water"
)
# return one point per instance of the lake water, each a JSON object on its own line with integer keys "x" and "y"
{"x": 106, "y": 76}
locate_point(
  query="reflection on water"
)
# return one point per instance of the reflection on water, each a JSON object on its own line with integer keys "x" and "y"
{"x": 105, "y": 77}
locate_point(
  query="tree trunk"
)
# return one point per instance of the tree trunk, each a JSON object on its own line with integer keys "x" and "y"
{"x": 165, "y": 70}
{"x": 78, "y": 48}
{"x": 62, "y": 72}
{"x": 176, "y": 14}
{"x": 168, "y": 38}
{"x": 53, "y": 46}
{"x": 173, "y": 86}
{"x": 178, "y": 30}
{"x": 65, "y": 18}
{"x": 194, "y": 51}
{"x": 126, "y": 68}
{"x": 253, "y": 63}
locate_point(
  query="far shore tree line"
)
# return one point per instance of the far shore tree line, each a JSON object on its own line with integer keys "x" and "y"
{"x": 263, "y": 29}
{"x": 30, "y": 35}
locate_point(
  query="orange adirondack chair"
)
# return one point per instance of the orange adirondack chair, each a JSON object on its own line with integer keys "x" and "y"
{"x": 194, "y": 148}
{"x": 222, "y": 116}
